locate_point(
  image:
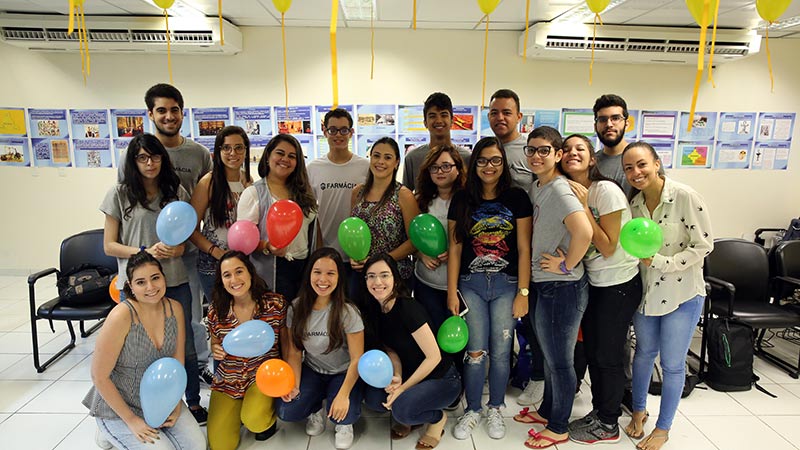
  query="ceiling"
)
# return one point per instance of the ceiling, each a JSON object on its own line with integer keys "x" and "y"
{"x": 431, "y": 14}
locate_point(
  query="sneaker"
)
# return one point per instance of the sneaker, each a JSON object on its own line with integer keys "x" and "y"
{"x": 466, "y": 424}
{"x": 597, "y": 433}
{"x": 268, "y": 433}
{"x": 206, "y": 377}
{"x": 585, "y": 421}
{"x": 627, "y": 402}
{"x": 316, "y": 423}
{"x": 344, "y": 436}
{"x": 101, "y": 440}
{"x": 533, "y": 393}
{"x": 200, "y": 415}
{"x": 496, "y": 424}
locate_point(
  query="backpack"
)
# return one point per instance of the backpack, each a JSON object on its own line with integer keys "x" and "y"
{"x": 730, "y": 356}
{"x": 84, "y": 285}
{"x": 792, "y": 231}
{"x": 688, "y": 386}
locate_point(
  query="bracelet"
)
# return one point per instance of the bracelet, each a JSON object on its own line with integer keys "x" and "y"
{"x": 563, "y": 267}
{"x": 266, "y": 248}
{"x": 142, "y": 248}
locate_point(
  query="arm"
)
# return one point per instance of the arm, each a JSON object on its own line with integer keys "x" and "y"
{"x": 355, "y": 265}
{"x": 605, "y": 235}
{"x": 341, "y": 403}
{"x": 200, "y": 201}
{"x": 580, "y": 231}
{"x": 524, "y": 232}
{"x": 427, "y": 343}
{"x": 294, "y": 357}
{"x": 111, "y": 244}
{"x": 408, "y": 205}
{"x": 453, "y": 267}
{"x": 696, "y": 234}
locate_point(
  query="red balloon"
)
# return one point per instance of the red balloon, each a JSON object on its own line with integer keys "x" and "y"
{"x": 284, "y": 220}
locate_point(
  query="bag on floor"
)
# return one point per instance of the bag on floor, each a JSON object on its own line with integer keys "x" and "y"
{"x": 688, "y": 386}
{"x": 730, "y": 356}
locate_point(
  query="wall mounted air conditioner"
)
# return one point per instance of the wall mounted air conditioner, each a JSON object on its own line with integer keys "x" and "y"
{"x": 131, "y": 34}
{"x": 634, "y": 44}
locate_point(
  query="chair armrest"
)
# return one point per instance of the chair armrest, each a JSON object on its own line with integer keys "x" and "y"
{"x": 789, "y": 280}
{"x": 34, "y": 277}
{"x": 729, "y": 289}
{"x": 762, "y": 230}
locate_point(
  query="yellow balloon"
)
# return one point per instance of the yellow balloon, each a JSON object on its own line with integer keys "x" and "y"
{"x": 696, "y": 8}
{"x": 165, "y": 4}
{"x": 282, "y": 5}
{"x": 487, "y": 6}
{"x": 771, "y": 10}
{"x": 597, "y": 6}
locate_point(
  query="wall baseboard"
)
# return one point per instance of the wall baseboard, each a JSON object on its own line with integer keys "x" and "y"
{"x": 15, "y": 272}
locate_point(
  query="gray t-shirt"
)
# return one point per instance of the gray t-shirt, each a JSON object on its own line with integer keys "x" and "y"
{"x": 611, "y": 167}
{"x": 416, "y": 157}
{"x": 139, "y": 229}
{"x": 190, "y": 160}
{"x": 521, "y": 175}
{"x": 552, "y": 203}
{"x": 333, "y": 185}
{"x": 315, "y": 341}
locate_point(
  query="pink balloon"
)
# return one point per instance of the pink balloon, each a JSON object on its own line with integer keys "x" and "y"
{"x": 243, "y": 236}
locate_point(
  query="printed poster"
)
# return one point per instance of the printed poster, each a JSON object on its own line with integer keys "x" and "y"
{"x": 207, "y": 122}
{"x": 91, "y": 137}
{"x": 376, "y": 120}
{"x": 50, "y": 137}
{"x": 665, "y": 150}
{"x": 658, "y": 125}
{"x": 485, "y": 129}
{"x": 770, "y": 156}
{"x": 408, "y": 142}
{"x": 694, "y": 154}
{"x": 578, "y": 121}
{"x": 465, "y": 121}
{"x": 468, "y": 142}
{"x": 13, "y": 138}
{"x": 736, "y": 126}
{"x": 364, "y": 143}
{"x": 775, "y": 127}
{"x": 295, "y": 121}
{"x": 322, "y": 141}
{"x": 256, "y": 121}
{"x": 411, "y": 120}
{"x": 704, "y": 126}
{"x": 732, "y": 155}
{"x": 124, "y": 125}
{"x": 632, "y": 130}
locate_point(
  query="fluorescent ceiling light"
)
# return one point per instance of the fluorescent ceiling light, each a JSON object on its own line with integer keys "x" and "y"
{"x": 358, "y": 9}
{"x": 582, "y": 13}
{"x": 781, "y": 24}
{"x": 181, "y": 8}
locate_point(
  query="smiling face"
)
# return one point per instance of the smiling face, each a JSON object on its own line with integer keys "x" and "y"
{"x": 383, "y": 161}
{"x": 282, "y": 160}
{"x": 149, "y": 165}
{"x": 236, "y": 279}
{"x": 543, "y": 164}
{"x": 166, "y": 115}
{"x": 640, "y": 167}
{"x": 148, "y": 284}
{"x": 504, "y": 118}
{"x": 438, "y": 122}
{"x": 380, "y": 281}
{"x": 232, "y": 152}
{"x": 336, "y": 140}
{"x": 490, "y": 173}
{"x": 576, "y": 158}
{"x": 324, "y": 277}
{"x": 441, "y": 179}
{"x": 610, "y": 125}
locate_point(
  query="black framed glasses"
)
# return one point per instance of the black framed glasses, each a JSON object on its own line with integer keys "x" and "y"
{"x": 143, "y": 158}
{"x": 333, "y": 131}
{"x": 238, "y": 148}
{"x": 542, "y": 150}
{"x": 494, "y": 161}
{"x": 444, "y": 168}
{"x": 616, "y": 118}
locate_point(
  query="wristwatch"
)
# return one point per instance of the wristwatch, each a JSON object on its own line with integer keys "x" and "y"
{"x": 523, "y": 292}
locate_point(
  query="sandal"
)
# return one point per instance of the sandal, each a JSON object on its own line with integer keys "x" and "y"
{"x": 526, "y": 416}
{"x": 427, "y": 441}
{"x": 400, "y": 430}
{"x": 644, "y": 421}
{"x": 540, "y": 437}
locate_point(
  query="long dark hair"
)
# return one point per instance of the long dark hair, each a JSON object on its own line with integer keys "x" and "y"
{"x": 299, "y": 188}
{"x": 305, "y": 302}
{"x": 655, "y": 156}
{"x": 132, "y": 184}
{"x": 221, "y": 299}
{"x": 426, "y": 188}
{"x": 371, "y": 311}
{"x": 387, "y": 194}
{"x": 474, "y": 186}
{"x": 594, "y": 171}
{"x": 220, "y": 192}
{"x": 134, "y": 262}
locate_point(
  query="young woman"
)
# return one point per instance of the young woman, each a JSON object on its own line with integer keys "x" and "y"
{"x": 240, "y": 295}
{"x": 489, "y": 224}
{"x": 145, "y": 327}
{"x": 131, "y": 209}
{"x": 674, "y": 286}
{"x": 215, "y": 198}
{"x": 561, "y": 235}
{"x": 615, "y": 290}
{"x": 283, "y": 176}
{"x": 387, "y": 207}
{"x": 325, "y": 341}
{"x": 424, "y": 381}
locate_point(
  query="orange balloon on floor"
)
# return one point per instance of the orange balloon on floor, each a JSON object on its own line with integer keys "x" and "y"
{"x": 275, "y": 378}
{"x": 113, "y": 291}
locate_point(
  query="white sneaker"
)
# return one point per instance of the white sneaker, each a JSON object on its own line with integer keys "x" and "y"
{"x": 496, "y": 424}
{"x": 101, "y": 440}
{"x": 466, "y": 424}
{"x": 344, "y": 436}
{"x": 533, "y": 393}
{"x": 316, "y": 423}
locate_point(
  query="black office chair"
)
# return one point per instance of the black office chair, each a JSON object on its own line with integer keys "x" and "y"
{"x": 82, "y": 248}
{"x": 786, "y": 263}
{"x": 738, "y": 273}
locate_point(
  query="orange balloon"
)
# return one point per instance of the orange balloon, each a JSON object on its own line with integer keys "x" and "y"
{"x": 275, "y": 378}
{"x": 113, "y": 291}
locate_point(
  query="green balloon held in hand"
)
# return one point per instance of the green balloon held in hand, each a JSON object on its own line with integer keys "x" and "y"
{"x": 453, "y": 335}
{"x": 641, "y": 237}
{"x": 355, "y": 238}
{"x": 428, "y": 235}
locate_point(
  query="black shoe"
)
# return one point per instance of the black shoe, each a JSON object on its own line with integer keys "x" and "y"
{"x": 206, "y": 377}
{"x": 627, "y": 402}
{"x": 268, "y": 433}
{"x": 200, "y": 415}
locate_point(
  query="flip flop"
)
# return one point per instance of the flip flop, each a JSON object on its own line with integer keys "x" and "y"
{"x": 526, "y": 416}
{"x": 427, "y": 441}
{"x": 400, "y": 431}
{"x": 644, "y": 421}
{"x": 539, "y": 436}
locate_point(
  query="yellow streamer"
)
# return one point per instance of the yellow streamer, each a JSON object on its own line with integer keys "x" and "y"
{"x": 713, "y": 44}
{"x": 372, "y": 42}
{"x": 285, "y": 77}
{"x": 485, "y": 52}
{"x": 594, "y": 37}
{"x": 83, "y": 54}
{"x": 76, "y": 14}
{"x": 527, "y": 13}
{"x": 71, "y": 25}
{"x": 86, "y": 44}
{"x": 169, "y": 51}
{"x": 769, "y": 64}
{"x": 221, "y": 34}
{"x": 414, "y": 21}
{"x": 700, "y": 54}
{"x": 334, "y": 68}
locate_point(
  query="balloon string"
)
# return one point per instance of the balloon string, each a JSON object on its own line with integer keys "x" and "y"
{"x": 713, "y": 44}
{"x": 527, "y": 13}
{"x": 83, "y": 54}
{"x": 334, "y": 66}
{"x": 485, "y": 53}
{"x": 700, "y": 55}
{"x": 769, "y": 64}
{"x": 285, "y": 77}
{"x": 71, "y": 25}
{"x": 86, "y": 43}
{"x": 414, "y": 21}
{"x": 221, "y": 34}
{"x": 372, "y": 42}
{"x": 594, "y": 37}
{"x": 169, "y": 50}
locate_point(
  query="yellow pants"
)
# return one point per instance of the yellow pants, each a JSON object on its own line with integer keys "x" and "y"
{"x": 226, "y": 416}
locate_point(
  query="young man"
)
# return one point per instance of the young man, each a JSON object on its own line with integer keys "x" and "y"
{"x": 610, "y": 121}
{"x": 504, "y": 117}
{"x": 438, "y": 119}
{"x": 334, "y": 176}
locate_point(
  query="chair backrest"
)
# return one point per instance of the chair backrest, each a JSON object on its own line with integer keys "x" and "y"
{"x": 85, "y": 248}
{"x": 787, "y": 259}
{"x": 743, "y": 263}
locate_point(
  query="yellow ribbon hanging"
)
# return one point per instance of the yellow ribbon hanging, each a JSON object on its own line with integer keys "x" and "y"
{"x": 527, "y": 13}
{"x": 594, "y": 37}
{"x": 372, "y": 41}
{"x": 169, "y": 50}
{"x": 485, "y": 53}
{"x": 414, "y": 20}
{"x": 221, "y": 34}
{"x": 71, "y": 23}
{"x": 769, "y": 64}
{"x": 713, "y": 44}
{"x": 76, "y": 13}
{"x": 334, "y": 69}
{"x": 285, "y": 77}
{"x": 700, "y": 54}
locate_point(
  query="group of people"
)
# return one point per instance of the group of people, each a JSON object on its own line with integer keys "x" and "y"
{"x": 533, "y": 225}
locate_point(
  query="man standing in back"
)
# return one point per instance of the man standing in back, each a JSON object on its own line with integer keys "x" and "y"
{"x": 504, "y": 117}
{"x": 610, "y": 122}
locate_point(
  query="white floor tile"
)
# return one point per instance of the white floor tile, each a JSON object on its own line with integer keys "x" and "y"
{"x": 24, "y": 369}
{"x": 371, "y": 433}
{"x": 39, "y": 431}
{"x": 60, "y": 397}
{"x": 3, "y": 417}
{"x": 740, "y": 432}
{"x": 772, "y": 373}
{"x": 707, "y": 402}
{"x": 21, "y": 342}
{"x": 761, "y": 404}
{"x": 448, "y": 442}
{"x": 81, "y": 437}
{"x": 82, "y": 371}
{"x": 15, "y": 394}
{"x": 10, "y": 322}
{"x": 288, "y": 436}
{"x": 786, "y": 426}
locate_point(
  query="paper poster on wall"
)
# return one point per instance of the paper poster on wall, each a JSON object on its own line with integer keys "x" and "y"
{"x": 577, "y": 121}
{"x": 408, "y": 142}
{"x": 322, "y": 142}
{"x": 775, "y": 127}
{"x": 91, "y": 137}
{"x": 665, "y": 150}
{"x": 632, "y": 127}
{"x": 732, "y": 155}
{"x": 364, "y": 143}
{"x": 467, "y": 142}
{"x": 256, "y": 121}
{"x": 307, "y": 144}
{"x": 207, "y": 122}
{"x": 410, "y": 120}
{"x": 694, "y": 154}
{"x": 465, "y": 120}
{"x": 127, "y": 123}
{"x": 658, "y": 124}
{"x": 13, "y": 138}
{"x": 12, "y": 122}
{"x": 49, "y": 137}
{"x": 186, "y": 125}
{"x": 533, "y": 118}
{"x": 297, "y": 120}
{"x": 323, "y": 148}
{"x": 485, "y": 128}
{"x": 736, "y": 126}
{"x": 376, "y": 120}
{"x": 770, "y": 156}
{"x": 704, "y": 126}
{"x": 92, "y": 153}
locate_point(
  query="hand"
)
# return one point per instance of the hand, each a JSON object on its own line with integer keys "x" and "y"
{"x": 164, "y": 251}
{"x": 520, "y": 307}
{"x": 394, "y": 384}
{"x": 443, "y": 257}
{"x": 393, "y": 396}
{"x": 357, "y": 265}
{"x": 281, "y": 252}
{"x": 551, "y": 263}
{"x": 646, "y": 261}
{"x": 173, "y": 417}
{"x": 218, "y": 352}
{"x": 580, "y": 191}
{"x": 430, "y": 263}
{"x": 291, "y": 395}
{"x": 143, "y": 432}
{"x": 339, "y": 407}
{"x": 452, "y": 303}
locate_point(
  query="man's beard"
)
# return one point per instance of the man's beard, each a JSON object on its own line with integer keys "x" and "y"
{"x": 611, "y": 142}
{"x": 165, "y": 132}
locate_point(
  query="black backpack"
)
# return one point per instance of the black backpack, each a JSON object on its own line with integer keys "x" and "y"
{"x": 84, "y": 285}
{"x": 730, "y": 357}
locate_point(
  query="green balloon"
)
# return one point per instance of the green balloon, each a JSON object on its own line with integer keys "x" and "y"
{"x": 355, "y": 238}
{"x": 641, "y": 237}
{"x": 428, "y": 235}
{"x": 453, "y": 335}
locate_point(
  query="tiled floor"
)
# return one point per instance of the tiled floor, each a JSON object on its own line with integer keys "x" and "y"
{"x": 43, "y": 411}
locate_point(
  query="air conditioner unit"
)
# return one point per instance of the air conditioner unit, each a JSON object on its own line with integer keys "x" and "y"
{"x": 129, "y": 34}
{"x": 634, "y": 44}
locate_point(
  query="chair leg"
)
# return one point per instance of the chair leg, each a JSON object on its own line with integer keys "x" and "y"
{"x": 42, "y": 367}
{"x": 86, "y": 333}
{"x": 793, "y": 371}
{"x": 704, "y": 341}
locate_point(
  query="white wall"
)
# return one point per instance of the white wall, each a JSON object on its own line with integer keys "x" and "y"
{"x": 42, "y": 206}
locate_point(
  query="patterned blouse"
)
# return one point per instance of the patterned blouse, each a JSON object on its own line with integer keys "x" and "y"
{"x": 207, "y": 264}
{"x": 234, "y": 374}
{"x": 387, "y": 227}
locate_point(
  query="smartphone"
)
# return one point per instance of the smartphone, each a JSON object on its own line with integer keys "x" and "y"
{"x": 463, "y": 309}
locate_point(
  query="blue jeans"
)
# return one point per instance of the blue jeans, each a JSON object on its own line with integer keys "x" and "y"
{"x": 183, "y": 295}
{"x": 670, "y": 336}
{"x": 556, "y": 309}
{"x": 207, "y": 283}
{"x": 490, "y": 320}
{"x": 185, "y": 434}
{"x": 435, "y": 302}
{"x": 315, "y": 387}
{"x": 422, "y": 403}
{"x": 202, "y": 350}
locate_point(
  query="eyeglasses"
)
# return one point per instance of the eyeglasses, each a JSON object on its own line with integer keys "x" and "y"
{"x": 238, "y": 148}
{"x": 542, "y": 151}
{"x": 333, "y": 131}
{"x": 444, "y": 168}
{"x": 494, "y": 161}
{"x": 143, "y": 158}
{"x": 616, "y": 118}
{"x": 384, "y": 276}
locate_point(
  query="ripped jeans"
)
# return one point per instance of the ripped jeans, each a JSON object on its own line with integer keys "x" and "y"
{"x": 490, "y": 298}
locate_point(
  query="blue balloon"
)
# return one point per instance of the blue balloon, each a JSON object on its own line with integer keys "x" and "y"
{"x": 375, "y": 368}
{"x": 161, "y": 389}
{"x": 250, "y": 339}
{"x": 176, "y": 222}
